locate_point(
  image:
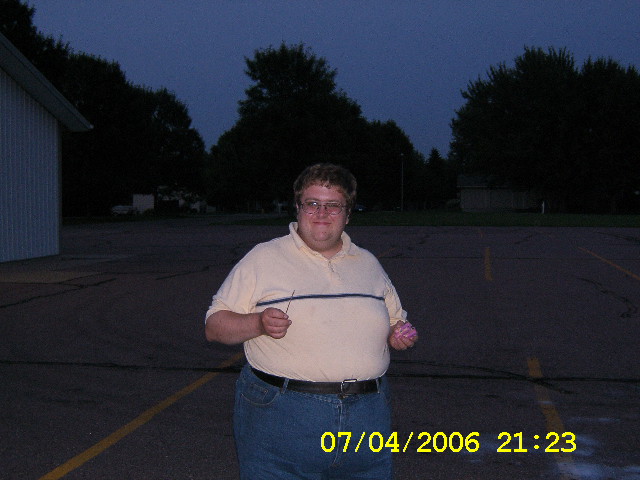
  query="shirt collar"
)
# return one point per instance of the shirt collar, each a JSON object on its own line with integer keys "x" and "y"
{"x": 348, "y": 248}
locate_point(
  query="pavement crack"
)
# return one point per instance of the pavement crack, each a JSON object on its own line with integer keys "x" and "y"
{"x": 73, "y": 288}
{"x": 181, "y": 274}
{"x": 117, "y": 366}
{"x": 632, "y": 308}
{"x": 497, "y": 374}
{"x": 39, "y": 297}
{"x": 628, "y": 238}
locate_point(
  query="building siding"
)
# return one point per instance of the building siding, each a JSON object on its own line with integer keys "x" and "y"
{"x": 29, "y": 176}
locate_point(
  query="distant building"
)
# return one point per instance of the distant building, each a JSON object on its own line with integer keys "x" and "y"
{"x": 143, "y": 203}
{"x": 484, "y": 194}
{"x": 32, "y": 113}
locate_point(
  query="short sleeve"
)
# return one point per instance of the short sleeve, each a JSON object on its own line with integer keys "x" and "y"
{"x": 237, "y": 292}
{"x": 392, "y": 301}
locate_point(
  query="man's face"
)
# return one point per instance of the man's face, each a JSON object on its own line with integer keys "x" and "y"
{"x": 321, "y": 231}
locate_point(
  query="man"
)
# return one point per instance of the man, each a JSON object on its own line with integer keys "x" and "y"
{"x": 317, "y": 315}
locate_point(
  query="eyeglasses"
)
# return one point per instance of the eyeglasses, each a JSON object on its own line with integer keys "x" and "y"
{"x": 312, "y": 207}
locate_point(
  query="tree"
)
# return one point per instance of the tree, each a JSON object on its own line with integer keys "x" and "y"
{"x": 294, "y": 115}
{"x": 96, "y": 169}
{"x": 141, "y": 139}
{"x": 178, "y": 159}
{"x": 284, "y": 75}
{"x": 609, "y": 136}
{"x": 46, "y": 53}
{"x": 515, "y": 125}
{"x": 568, "y": 134}
{"x": 439, "y": 180}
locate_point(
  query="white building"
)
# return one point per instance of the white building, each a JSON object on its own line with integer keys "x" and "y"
{"x": 483, "y": 194}
{"x": 32, "y": 114}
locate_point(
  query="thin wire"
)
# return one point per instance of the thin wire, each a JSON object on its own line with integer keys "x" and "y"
{"x": 289, "y": 301}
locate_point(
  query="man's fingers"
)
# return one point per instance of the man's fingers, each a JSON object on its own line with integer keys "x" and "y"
{"x": 275, "y": 322}
{"x": 402, "y": 342}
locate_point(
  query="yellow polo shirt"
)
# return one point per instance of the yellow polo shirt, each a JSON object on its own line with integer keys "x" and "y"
{"x": 340, "y": 313}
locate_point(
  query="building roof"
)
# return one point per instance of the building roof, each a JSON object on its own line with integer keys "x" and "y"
{"x": 479, "y": 181}
{"x": 32, "y": 81}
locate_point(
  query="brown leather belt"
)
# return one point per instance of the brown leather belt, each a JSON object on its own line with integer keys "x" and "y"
{"x": 346, "y": 387}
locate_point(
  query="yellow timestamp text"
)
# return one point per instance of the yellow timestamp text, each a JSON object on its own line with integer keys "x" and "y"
{"x": 439, "y": 442}
{"x": 554, "y": 442}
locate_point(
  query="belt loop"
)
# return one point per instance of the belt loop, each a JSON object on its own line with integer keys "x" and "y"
{"x": 284, "y": 385}
{"x": 378, "y": 384}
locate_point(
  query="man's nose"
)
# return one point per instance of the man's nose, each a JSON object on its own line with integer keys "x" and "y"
{"x": 323, "y": 210}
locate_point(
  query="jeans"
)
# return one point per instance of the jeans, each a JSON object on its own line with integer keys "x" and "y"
{"x": 279, "y": 433}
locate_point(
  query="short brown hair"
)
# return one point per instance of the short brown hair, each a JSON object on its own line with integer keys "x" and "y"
{"x": 330, "y": 176}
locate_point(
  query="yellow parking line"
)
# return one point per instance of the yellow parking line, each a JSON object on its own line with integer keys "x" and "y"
{"x": 609, "y": 262}
{"x": 119, "y": 434}
{"x": 553, "y": 421}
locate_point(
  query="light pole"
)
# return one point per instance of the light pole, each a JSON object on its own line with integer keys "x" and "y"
{"x": 402, "y": 182}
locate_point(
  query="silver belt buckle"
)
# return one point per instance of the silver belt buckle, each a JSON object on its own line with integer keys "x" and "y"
{"x": 345, "y": 385}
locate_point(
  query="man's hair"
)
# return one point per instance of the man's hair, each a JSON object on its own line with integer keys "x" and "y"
{"x": 330, "y": 176}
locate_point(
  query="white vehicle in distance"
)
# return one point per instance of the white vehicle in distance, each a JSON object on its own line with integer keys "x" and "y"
{"x": 119, "y": 210}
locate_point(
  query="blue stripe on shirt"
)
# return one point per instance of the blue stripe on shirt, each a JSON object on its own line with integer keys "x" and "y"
{"x": 323, "y": 296}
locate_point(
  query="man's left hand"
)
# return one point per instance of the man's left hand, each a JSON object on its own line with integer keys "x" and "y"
{"x": 403, "y": 336}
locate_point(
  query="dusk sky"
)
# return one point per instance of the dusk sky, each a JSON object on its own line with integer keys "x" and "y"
{"x": 405, "y": 61}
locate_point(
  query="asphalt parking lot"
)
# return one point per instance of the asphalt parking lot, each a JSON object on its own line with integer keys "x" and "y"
{"x": 529, "y": 337}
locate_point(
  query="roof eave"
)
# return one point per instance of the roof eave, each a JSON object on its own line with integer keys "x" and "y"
{"x": 32, "y": 81}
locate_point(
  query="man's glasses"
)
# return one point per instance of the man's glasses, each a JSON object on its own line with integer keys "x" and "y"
{"x": 312, "y": 207}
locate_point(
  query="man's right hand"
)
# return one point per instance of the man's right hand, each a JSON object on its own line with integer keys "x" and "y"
{"x": 274, "y": 322}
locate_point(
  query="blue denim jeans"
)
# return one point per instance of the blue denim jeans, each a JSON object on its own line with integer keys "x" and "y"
{"x": 279, "y": 433}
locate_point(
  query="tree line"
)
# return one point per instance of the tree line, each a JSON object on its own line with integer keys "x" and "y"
{"x": 295, "y": 115}
{"x": 141, "y": 138}
{"x": 568, "y": 134}
{"x": 292, "y": 116}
